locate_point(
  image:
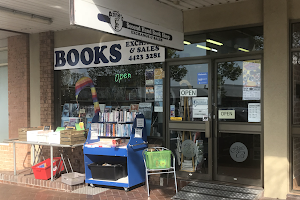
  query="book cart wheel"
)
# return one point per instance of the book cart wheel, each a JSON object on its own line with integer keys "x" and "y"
{"x": 92, "y": 185}
{"x": 126, "y": 189}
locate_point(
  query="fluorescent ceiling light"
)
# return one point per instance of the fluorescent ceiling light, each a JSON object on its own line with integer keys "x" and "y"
{"x": 203, "y": 47}
{"x": 214, "y": 42}
{"x": 25, "y": 15}
{"x": 214, "y": 50}
{"x": 241, "y": 49}
{"x": 186, "y": 42}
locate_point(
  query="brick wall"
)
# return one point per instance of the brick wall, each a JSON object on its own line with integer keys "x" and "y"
{"x": 18, "y": 102}
{"x": 22, "y": 157}
{"x": 18, "y": 84}
{"x": 75, "y": 155}
{"x": 47, "y": 78}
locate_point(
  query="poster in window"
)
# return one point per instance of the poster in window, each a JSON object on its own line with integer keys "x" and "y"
{"x": 158, "y": 76}
{"x": 149, "y": 76}
{"x": 251, "y": 79}
{"x": 253, "y": 112}
{"x": 200, "y": 107}
{"x": 158, "y": 91}
{"x": 149, "y": 93}
{"x": 158, "y": 106}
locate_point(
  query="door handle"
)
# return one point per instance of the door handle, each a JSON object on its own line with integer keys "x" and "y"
{"x": 207, "y": 129}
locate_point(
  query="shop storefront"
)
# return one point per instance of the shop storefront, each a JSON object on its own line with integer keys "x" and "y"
{"x": 227, "y": 105}
{"x": 210, "y": 112}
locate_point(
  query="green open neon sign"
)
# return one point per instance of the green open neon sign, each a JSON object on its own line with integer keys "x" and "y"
{"x": 119, "y": 77}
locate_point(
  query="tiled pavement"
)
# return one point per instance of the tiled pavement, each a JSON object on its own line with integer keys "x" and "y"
{"x": 15, "y": 192}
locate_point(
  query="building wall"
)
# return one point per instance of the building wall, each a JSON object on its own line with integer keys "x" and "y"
{"x": 47, "y": 78}
{"x": 276, "y": 99}
{"x": 80, "y": 36}
{"x": 18, "y": 102}
{"x": 18, "y": 84}
{"x": 3, "y": 90}
{"x": 293, "y": 9}
{"x": 34, "y": 80}
{"x": 223, "y": 16}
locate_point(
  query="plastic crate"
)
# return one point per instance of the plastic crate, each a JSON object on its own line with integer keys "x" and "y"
{"x": 113, "y": 172}
{"x": 158, "y": 159}
{"x": 42, "y": 170}
{"x": 73, "y": 178}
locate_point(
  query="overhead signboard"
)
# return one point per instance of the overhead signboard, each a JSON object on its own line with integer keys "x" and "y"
{"x": 123, "y": 52}
{"x": 145, "y": 20}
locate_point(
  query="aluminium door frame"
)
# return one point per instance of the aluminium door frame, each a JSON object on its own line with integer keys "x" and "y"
{"x": 237, "y": 127}
{"x": 189, "y": 125}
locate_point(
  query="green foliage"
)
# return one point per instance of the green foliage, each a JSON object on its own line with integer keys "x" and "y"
{"x": 228, "y": 70}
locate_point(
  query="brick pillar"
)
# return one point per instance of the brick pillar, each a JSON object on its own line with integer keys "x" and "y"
{"x": 47, "y": 78}
{"x": 18, "y": 84}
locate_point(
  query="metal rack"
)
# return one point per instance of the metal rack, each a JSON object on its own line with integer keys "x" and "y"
{"x": 14, "y": 141}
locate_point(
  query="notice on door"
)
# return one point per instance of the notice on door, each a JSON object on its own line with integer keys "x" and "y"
{"x": 253, "y": 112}
{"x": 226, "y": 114}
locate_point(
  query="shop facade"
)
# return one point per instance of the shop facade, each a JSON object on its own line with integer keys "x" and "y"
{"x": 216, "y": 104}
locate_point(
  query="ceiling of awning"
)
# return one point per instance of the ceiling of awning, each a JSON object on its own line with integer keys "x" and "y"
{"x": 193, "y": 4}
{"x": 58, "y": 11}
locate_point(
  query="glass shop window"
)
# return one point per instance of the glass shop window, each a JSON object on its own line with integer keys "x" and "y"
{"x": 222, "y": 42}
{"x": 121, "y": 91}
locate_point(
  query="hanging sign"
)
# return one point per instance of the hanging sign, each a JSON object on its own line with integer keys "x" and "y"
{"x": 144, "y": 20}
{"x": 188, "y": 92}
{"x": 123, "y": 52}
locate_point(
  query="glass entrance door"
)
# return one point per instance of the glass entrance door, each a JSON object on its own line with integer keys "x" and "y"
{"x": 214, "y": 119}
{"x": 237, "y": 121}
{"x": 189, "y": 117}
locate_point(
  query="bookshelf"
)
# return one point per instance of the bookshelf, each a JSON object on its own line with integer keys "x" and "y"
{"x": 129, "y": 153}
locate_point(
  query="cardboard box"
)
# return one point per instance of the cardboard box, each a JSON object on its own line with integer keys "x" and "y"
{"x": 43, "y": 136}
{"x": 23, "y": 132}
{"x": 54, "y": 138}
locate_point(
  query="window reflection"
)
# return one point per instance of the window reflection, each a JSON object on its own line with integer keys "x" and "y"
{"x": 121, "y": 88}
{"x": 222, "y": 42}
{"x": 296, "y": 35}
{"x": 296, "y": 87}
{"x": 239, "y": 90}
{"x": 188, "y": 77}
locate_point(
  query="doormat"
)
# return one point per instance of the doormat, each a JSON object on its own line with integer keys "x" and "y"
{"x": 209, "y": 191}
{"x": 89, "y": 190}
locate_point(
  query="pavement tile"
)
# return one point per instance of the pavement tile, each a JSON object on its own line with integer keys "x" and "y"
{"x": 15, "y": 192}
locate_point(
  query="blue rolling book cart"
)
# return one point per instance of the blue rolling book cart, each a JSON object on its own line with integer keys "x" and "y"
{"x": 129, "y": 156}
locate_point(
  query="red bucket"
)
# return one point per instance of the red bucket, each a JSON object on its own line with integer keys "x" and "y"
{"x": 42, "y": 170}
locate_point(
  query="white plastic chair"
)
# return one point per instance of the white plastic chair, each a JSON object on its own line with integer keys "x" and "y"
{"x": 159, "y": 171}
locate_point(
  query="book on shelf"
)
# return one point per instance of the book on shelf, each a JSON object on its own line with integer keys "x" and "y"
{"x": 89, "y": 110}
{"x": 66, "y": 110}
{"x": 134, "y": 107}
